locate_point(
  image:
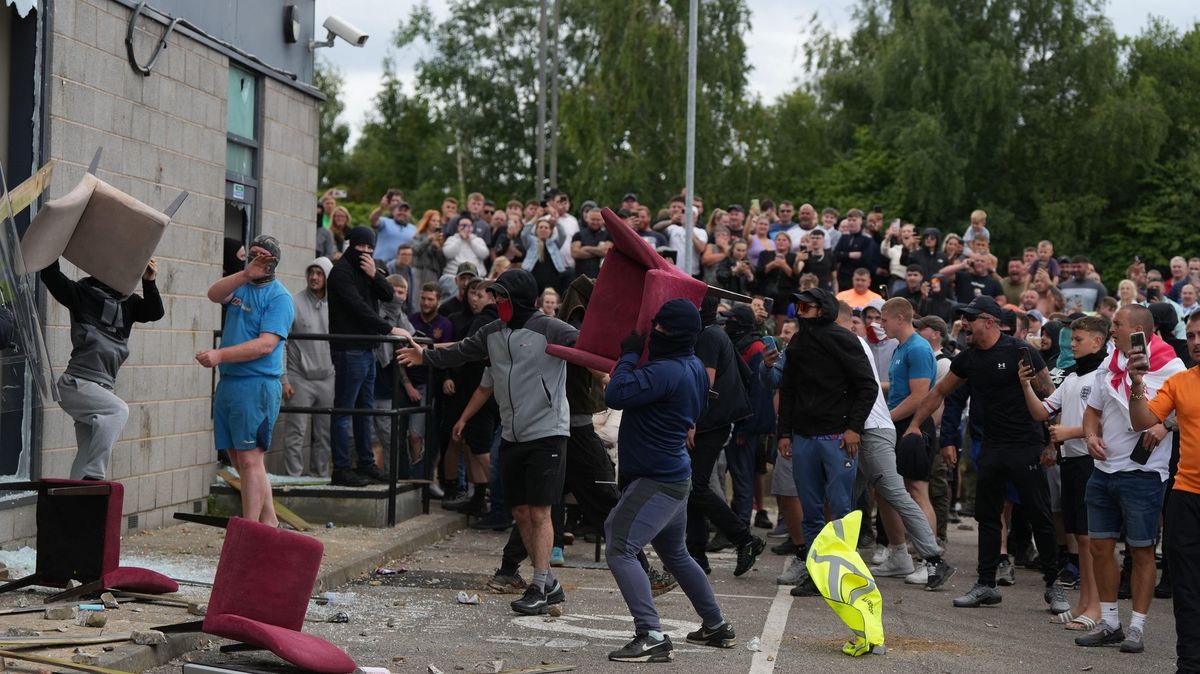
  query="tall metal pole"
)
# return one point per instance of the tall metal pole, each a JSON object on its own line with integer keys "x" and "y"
{"x": 540, "y": 186}
{"x": 554, "y": 97}
{"x": 689, "y": 214}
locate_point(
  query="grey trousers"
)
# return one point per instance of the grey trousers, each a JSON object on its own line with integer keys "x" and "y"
{"x": 99, "y": 420}
{"x": 309, "y": 393}
{"x": 877, "y": 461}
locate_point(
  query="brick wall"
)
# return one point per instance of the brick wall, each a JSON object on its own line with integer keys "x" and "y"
{"x": 163, "y": 134}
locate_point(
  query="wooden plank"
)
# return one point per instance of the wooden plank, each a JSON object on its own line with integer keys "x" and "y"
{"x": 58, "y": 662}
{"x": 60, "y": 642}
{"x": 281, "y": 511}
{"x": 27, "y": 192}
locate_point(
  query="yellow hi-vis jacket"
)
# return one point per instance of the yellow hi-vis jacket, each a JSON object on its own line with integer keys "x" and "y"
{"x": 846, "y": 583}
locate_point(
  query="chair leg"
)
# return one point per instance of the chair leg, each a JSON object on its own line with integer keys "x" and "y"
{"x": 20, "y": 583}
{"x": 239, "y": 648}
{"x": 209, "y": 520}
{"x": 94, "y": 587}
{"x": 193, "y": 626}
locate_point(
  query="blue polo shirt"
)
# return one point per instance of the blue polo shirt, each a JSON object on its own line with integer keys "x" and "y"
{"x": 913, "y": 359}
{"x": 252, "y": 311}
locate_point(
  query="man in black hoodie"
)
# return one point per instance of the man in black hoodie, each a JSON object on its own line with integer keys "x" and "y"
{"x": 825, "y": 396}
{"x": 356, "y": 288}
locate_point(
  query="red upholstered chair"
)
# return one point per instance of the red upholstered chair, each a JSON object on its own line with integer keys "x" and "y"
{"x": 79, "y": 538}
{"x": 261, "y": 592}
{"x": 634, "y": 283}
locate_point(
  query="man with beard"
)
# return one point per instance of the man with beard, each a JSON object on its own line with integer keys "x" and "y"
{"x": 662, "y": 401}
{"x": 854, "y": 250}
{"x": 530, "y": 389}
{"x": 1012, "y": 448}
{"x": 101, "y": 322}
{"x": 1014, "y": 285}
{"x": 1080, "y": 292}
{"x": 259, "y": 314}
{"x": 309, "y": 378}
{"x": 806, "y": 222}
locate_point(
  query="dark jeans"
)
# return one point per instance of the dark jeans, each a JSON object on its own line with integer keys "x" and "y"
{"x": 704, "y": 502}
{"x": 739, "y": 459}
{"x": 1182, "y": 536}
{"x": 353, "y": 386}
{"x": 1020, "y": 467}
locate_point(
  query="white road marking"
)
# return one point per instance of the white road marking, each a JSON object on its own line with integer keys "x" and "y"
{"x": 718, "y": 595}
{"x": 764, "y": 660}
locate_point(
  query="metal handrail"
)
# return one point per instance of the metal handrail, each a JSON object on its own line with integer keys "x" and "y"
{"x": 396, "y": 412}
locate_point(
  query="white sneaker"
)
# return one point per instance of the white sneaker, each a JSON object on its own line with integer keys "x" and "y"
{"x": 918, "y": 577}
{"x": 880, "y": 555}
{"x": 435, "y": 490}
{"x": 896, "y": 565}
{"x": 795, "y": 574}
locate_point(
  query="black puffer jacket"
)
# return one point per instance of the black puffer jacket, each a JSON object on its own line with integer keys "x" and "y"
{"x": 827, "y": 385}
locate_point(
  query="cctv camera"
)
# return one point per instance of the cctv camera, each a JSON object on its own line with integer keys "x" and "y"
{"x": 339, "y": 27}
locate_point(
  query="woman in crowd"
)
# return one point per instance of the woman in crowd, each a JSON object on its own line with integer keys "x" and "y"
{"x": 714, "y": 252}
{"x": 464, "y": 246}
{"x": 428, "y": 258}
{"x": 339, "y": 227}
{"x": 542, "y": 258}
{"x": 735, "y": 273}
{"x": 759, "y": 238}
{"x": 1127, "y": 293}
{"x": 777, "y": 275}
{"x": 952, "y": 249}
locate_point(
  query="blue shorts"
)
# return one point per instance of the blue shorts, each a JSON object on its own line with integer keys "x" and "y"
{"x": 244, "y": 412}
{"x": 1129, "y": 501}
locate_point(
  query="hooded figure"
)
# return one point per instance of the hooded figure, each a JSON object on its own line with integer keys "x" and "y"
{"x": 1166, "y": 320}
{"x": 930, "y": 259}
{"x": 101, "y": 322}
{"x": 516, "y": 292}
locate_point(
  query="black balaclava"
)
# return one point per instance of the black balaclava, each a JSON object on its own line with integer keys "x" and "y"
{"x": 740, "y": 326}
{"x": 357, "y": 237}
{"x": 708, "y": 310}
{"x": 230, "y": 263}
{"x": 272, "y": 246}
{"x": 1051, "y": 329}
{"x": 682, "y": 325}
{"x": 516, "y": 292}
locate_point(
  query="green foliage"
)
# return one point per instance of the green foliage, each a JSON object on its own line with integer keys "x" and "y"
{"x": 332, "y": 135}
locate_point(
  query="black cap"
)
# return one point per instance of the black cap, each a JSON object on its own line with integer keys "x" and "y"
{"x": 740, "y": 314}
{"x": 735, "y": 207}
{"x": 628, "y": 196}
{"x": 807, "y": 297}
{"x": 982, "y": 304}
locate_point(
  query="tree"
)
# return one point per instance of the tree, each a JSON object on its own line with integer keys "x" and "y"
{"x": 332, "y": 134}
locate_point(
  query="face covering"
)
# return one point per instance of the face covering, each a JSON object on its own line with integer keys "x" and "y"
{"x": 504, "y": 309}
{"x": 668, "y": 346}
{"x": 1088, "y": 364}
{"x": 271, "y": 245}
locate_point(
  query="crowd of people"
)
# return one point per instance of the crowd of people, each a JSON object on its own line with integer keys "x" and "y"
{"x": 906, "y": 372}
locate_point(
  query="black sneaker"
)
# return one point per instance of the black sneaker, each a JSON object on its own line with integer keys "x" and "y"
{"x": 371, "y": 472}
{"x": 747, "y": 554}
{"x": 721, "y": 637}
{"x": 1164, "y": 590}
{"x": 718, "y": 543}
{"x": 506, "y": 583}
{"x": 347, "y": 478}
{"x": 644, "y": 648}
{"x": 785, "y": 548}
{"x": 806, "y": 588}
{"x": 455, "y": 502}
{"x": 762, "y": 520}
{"x": 532, "y": 603}
{"x": 501, "y": 522}
{"x": 555, "y": 595}
{"x": 474, "y": 508}
{"x": 661, "y": 582}
{"x": 939, "y": 573}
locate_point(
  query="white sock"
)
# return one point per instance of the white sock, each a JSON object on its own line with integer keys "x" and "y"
{"x": 655, "y": 634}
{"x": 898, "y": 549}
{"x": 1109, "y": 615}
{"x": 1137, "y": 620}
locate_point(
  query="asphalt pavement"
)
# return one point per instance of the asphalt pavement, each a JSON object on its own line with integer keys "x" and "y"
{"x": 413, "y": 620}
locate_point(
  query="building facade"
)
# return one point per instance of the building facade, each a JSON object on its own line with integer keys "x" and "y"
{"x": 227, "y": 112}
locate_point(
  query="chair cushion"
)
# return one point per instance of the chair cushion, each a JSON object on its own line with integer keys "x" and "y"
{"x": 265, "y": 574}
{"x": 135, "y": 579}
{"x": 303, "y": 650}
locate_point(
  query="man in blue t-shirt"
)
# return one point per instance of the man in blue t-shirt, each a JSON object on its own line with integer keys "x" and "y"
{"x": 258, "y": 316}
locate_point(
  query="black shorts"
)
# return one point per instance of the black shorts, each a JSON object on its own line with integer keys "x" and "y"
{"x": 533, "y": 471}
{"x": 1074, "y": 472}
{"x": 914, "y": 454}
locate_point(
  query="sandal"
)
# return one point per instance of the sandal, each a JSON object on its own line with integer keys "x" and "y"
{"x": 1062, "y": 618}
{"x": 1081, "y": 624}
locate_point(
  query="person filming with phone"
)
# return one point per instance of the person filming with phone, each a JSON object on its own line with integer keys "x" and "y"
{"x": 1177, "y": 406}
{"x": 1125, "y": 491}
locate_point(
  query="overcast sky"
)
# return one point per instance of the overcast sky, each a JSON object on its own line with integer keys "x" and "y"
{"x": 777, "y": 31}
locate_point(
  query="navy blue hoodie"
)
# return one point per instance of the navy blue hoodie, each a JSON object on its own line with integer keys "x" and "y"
{"x": 661, "y": 400}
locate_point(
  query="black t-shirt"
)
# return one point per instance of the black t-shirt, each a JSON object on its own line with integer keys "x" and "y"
{"x": 714, "y": 349}
{"x": 822, "y": 268}
{"x": 967, "y": 286}
{"x": 587, "y": 237}
{"x": 997, "y": 400}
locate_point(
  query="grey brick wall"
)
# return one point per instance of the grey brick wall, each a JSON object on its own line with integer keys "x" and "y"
{"x": 163, "y": 134}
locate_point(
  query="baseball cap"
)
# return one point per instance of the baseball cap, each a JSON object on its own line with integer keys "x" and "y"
{"x": 740, "y": 314}
{"x": 628, "y": 196}
{"x": 1035, "y": 315}
{"x": 982, "y": 304}
{"x": 466, "y": 269}
{"x": 735, "y": 207}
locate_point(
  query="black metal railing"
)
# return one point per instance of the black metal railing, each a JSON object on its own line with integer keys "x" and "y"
{"x": 396, "y": 412}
